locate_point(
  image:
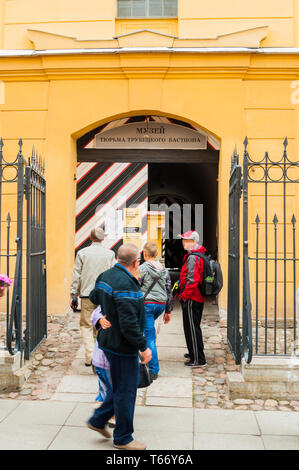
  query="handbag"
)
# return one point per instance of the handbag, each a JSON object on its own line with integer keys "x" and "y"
{"x": 145, "y": 376}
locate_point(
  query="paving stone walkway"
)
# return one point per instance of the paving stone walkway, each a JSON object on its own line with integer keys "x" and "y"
{"x": 58, "y": 372}
{"x": 28, "y": 425}
{"x": 182, "y": 409}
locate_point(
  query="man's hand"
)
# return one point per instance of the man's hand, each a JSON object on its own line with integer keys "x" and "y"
{"x": 166, "y": 318}
{"x": 146, "y": 356}
{"x": 74, "y": 304}
{"x": 105, "y": 324}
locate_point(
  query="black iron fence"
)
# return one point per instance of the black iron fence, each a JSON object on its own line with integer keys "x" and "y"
{"x": 36, "y": 285}
{"x": 233, "y": 296}
{"x": 270, "y": 265}
{"x": 11, "y": 174}
{"x": 273, "y": 261}
{"x": 23, "y": 183}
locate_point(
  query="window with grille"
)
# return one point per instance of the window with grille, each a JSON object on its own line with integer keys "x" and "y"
{"x": 147, "y": 8}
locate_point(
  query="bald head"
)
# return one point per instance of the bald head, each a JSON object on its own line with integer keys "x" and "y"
{"x": 127, "y": 254}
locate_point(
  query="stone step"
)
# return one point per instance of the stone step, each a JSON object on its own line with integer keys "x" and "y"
{"x": 271, "y": 369}
{"x": 12, "y": 377}
{"x": 239, "y": 388}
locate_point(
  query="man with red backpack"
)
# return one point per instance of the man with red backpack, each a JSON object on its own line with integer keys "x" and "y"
{"x": 191, "y": 299}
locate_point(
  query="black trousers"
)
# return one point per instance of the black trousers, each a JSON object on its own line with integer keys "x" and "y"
{"x": 192, "y": 314}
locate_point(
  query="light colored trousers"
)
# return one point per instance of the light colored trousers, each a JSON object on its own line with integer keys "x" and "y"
{"x": 88, "y": 332}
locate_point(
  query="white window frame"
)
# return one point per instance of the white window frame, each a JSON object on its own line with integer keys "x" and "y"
{"x": 147, "y": 12}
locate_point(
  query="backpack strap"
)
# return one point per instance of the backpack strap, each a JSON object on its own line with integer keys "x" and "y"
{"x": 151, "y": 287}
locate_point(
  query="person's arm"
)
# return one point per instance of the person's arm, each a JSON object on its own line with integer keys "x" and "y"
{"x": 169, "y": 303}
{"x": 98, "y": 319}
{"x": 141, "y": 275}
{"x": 96, "y": 315}
{"x": 76, "y": 281}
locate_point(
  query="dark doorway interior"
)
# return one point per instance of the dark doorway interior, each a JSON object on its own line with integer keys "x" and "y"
{"x": 186, "y": 183}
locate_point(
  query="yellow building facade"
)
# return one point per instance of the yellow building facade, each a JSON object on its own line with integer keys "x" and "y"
{"x": 67, "y": 67}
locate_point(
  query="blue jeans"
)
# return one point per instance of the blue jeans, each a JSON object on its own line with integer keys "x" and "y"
{"x": 152, "y": 312}
{"x": 120, "y": 399}
{"x": 105, "y": 383}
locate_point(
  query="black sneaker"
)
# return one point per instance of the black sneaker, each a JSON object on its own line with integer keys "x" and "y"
{"x": 187, "y": 356}
{"x": 194, "y": 364}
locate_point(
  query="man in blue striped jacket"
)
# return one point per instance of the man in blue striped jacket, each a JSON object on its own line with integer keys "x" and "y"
{"x": 121, "y": 300}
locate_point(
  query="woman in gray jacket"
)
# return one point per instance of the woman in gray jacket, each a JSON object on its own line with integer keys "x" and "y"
{"x": 156, "y": 287}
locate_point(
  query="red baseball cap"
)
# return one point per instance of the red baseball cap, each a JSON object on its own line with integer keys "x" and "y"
{"x": 190, "y": 235}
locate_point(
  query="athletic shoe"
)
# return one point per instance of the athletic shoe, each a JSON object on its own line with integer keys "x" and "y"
{"x": 194, "y": 364}
{"x": 133, "y": 445}
{"x": 111, "y": 423}
{"x": 102, "y": 431}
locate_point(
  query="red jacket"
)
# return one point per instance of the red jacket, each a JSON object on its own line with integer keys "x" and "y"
{"x": 191, "y": 276}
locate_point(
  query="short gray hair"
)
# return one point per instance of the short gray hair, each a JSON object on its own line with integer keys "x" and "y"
{"x": 127, "y": 254}
{"x": 97, "y": 234}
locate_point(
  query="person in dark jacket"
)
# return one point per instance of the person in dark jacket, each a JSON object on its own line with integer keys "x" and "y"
{"x": 121, "y": 300}
{"x": 191, "y": 299}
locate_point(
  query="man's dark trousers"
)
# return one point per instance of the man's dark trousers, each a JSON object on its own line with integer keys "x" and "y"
{"x": 192, "y": 314}
{"x": 120, "y": 401}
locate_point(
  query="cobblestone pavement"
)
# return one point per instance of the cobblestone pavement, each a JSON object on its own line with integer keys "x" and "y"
{"x": 57, "y": 369}
{"x": 51, "y": 361}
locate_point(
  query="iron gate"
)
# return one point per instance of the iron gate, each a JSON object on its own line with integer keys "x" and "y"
{"x": 273, "y": 259}
{"x": 17, "y": 181}
{"x": 36, "y": 300}
{"x": 273, "y": 265}
{"x": 233, "y": 328}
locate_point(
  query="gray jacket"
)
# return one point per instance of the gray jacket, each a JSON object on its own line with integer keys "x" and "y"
{"x": 161, "y": 291}
{"x": 90, "y": 263}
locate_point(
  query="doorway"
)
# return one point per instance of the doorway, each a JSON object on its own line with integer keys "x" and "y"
{"x": 154, "y": 167}
{"x": 185, "y": 183}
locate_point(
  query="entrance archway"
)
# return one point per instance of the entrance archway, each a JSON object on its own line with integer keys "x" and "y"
{"x": 183, "y": 168}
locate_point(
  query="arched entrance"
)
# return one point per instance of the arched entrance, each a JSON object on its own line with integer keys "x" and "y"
{"x": 143, "y": 160}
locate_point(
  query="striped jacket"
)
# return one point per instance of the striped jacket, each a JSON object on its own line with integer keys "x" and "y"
{"x": 122, "y": 301}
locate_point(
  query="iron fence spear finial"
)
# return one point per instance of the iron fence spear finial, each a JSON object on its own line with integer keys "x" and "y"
{"x": 293, "y": 221}
{"x": 245, "y": 143}
{"x": 234, "y": 159}
{"x": 285, "y": 143}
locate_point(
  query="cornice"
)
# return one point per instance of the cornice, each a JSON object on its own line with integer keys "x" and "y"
{"x": 226, "y": 64}
{"x": 31, "y": 53}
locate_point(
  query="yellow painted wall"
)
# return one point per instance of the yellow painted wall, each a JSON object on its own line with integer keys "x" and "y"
{"x": 96, "y": 19}
{"x": 51, "y": 101}
{"x": 166, "y": 26}
{"x": 217, "y": 17}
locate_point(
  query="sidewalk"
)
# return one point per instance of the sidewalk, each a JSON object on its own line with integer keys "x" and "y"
{"x": 181, "y": 410}
{"x": 61, "y": 425}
